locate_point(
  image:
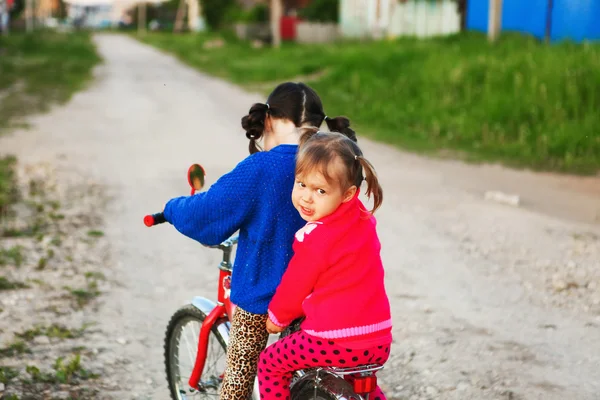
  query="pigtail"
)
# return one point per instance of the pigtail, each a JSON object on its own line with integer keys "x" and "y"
{"x": 373, "y": 187}
{"x": 306, "y": 132}
{"x": 254, "y": 125}
{"x": 341, "y": 125}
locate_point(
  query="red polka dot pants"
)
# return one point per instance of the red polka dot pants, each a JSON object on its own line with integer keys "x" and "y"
{"x": 300, "y": 350}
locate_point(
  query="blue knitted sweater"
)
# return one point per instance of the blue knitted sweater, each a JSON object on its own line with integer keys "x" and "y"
{"x": 256, "y": 199}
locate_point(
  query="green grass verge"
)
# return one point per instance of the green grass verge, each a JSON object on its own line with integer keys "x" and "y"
{"x": 37, "y": 70}
{"x": 519, "y": 101}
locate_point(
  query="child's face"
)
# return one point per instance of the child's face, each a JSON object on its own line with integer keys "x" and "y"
{"x": 315, "y": 198}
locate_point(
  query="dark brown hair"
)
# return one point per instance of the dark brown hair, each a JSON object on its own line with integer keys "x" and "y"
{"x": 296, "y": 102}
{"x": 319, "y": 151}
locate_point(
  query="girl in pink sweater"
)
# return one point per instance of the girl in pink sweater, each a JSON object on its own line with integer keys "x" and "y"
{"x": 335, "y": 278}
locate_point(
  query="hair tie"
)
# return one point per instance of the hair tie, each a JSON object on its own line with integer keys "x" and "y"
{"x": 326, "y": 118}
{"x": 268, "y": 106}
{"x": 355, "y": 157}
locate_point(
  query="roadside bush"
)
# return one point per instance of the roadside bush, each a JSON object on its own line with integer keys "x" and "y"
{"x": 321, "y": 11}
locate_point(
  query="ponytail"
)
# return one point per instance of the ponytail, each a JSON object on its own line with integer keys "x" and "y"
{"x": 373, "y": 187}
{"x": 254, "y": 125}
{"x": 341, "y": 125}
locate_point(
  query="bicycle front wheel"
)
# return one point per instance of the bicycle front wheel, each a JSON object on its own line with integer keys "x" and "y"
{"x": 181, "y": 346}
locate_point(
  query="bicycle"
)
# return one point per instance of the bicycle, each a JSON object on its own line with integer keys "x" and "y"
{"x": 214, "y": 321}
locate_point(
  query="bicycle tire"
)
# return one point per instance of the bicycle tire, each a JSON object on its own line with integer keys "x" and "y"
{"x": 178, "y": 386}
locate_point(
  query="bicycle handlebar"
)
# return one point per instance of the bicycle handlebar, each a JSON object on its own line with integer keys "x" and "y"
{"x": 154, "y": 219}
{"x": 159, "y": 218}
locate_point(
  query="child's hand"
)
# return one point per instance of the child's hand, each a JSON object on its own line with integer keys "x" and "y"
{"x": 272, "y": 328}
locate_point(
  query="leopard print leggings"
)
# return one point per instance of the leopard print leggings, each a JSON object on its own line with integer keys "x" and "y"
{"x": 247, "y": 339}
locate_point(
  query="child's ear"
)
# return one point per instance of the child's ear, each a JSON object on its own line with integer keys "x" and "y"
{"x": 349, "y": 194}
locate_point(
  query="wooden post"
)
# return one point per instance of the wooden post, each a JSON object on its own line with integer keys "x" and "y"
{"x": 276, "y": 12}
{"x": 549, "y": 21}
{"x": 179, "y": 16}
{"x": 142, "y": 17}
{"x": 29, "y": 15}
{"x": 4, "y": 15}
{"x": 495, "y": 20}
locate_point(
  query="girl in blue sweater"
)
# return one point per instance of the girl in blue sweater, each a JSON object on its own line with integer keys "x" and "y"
{"x": 255, "y": 198}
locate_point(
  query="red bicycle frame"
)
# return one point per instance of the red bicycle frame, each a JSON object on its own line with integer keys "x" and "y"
{"x": 224, "y": 309}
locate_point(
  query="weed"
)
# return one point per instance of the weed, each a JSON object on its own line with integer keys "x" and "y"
{"x": 13, "y": 255}
{"x": 84, "y": 296}
{"x": 42, "y": 262}
{"x": 95, "y": 275}
{"x": 16, "y": 348}
{"x": 7, "y": 374}
{"x": 52, "y": 331}
{"x": 9, "y": 192}
{"x": 6, "y": 284}
{"x": 63, "y": 372}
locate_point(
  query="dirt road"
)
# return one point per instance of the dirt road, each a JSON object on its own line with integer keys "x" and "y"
{"x": 489, "y": 301}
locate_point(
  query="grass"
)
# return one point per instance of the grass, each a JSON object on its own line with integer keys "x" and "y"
{"x": 52, "y": 331}
{"x": 37, "y": 70}
{"x": 15, "y": 348}
{"x": 519, "y": 102}
{"x": 9, "y": 192}
{"x": 64, "y": 372}
{"x": 6, "y": 284}
{"x": 12, "y": 256}
{"x": 7, "y": 374}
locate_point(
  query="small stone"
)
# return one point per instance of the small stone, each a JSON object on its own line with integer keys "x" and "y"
{"x": 500, "y": 197}
{"x": 462, "y": 386}
{"x": 41, "y": 340}
{"x": 122, "y": 341}
{"x": 558, "y": 283}
{"x": 431, "y": 391}
{"x": 149, "y": 381}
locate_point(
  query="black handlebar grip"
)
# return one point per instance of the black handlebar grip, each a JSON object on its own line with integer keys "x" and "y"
{"x": 154, "y": 219}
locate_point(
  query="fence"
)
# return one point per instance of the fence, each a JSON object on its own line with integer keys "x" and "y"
{"x": 556, "y": 20}
{"x": 397, "y": 18}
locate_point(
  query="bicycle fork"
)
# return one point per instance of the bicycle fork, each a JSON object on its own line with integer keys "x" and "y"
{"x": 223, "y": 309}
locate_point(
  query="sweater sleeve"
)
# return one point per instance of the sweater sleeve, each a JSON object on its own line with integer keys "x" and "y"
{"x": 211, "y": 217}
{"x": 297, "y": 283}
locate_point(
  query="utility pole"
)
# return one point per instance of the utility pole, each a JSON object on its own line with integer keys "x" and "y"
{"x": 276, "y": 13}
{"x": 495, "y": 20}
{"x": 142, "y": 17}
